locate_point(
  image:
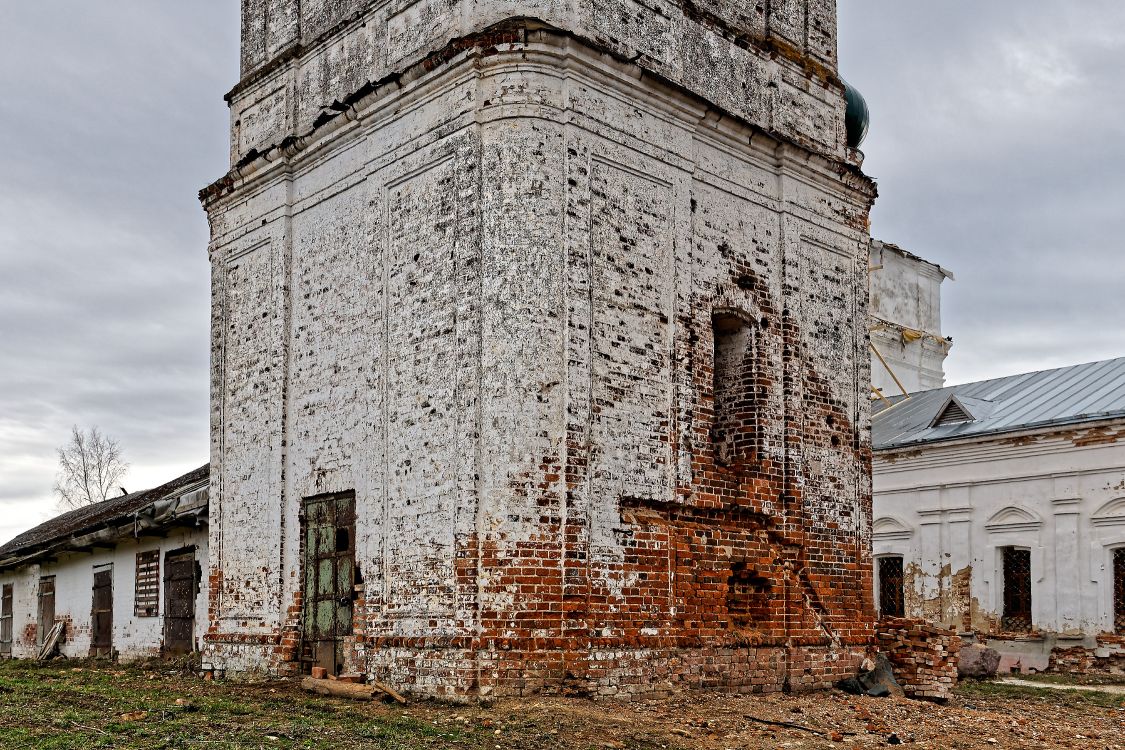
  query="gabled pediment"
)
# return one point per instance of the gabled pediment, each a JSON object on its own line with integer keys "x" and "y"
{"x": 886, "y": 527}
{"x": 1110, "y": 514}
{"x": 1013, "y": 518}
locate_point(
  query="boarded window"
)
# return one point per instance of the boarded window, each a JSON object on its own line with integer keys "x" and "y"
{"x": 6, "y": 621}
{"x": 146, "y": 599}
{"x": 46, "y": 607}
{"x": 1017, "y": 589}
{"x": 748, "y": 596}
{"x": 891, "y": 587}
{"x": 1119, "y": 590}
{"x": 734, "y": 377}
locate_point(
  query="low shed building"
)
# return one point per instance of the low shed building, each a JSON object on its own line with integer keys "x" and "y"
{"x": 123, "y": 576}
{"x": 999, "y": 511}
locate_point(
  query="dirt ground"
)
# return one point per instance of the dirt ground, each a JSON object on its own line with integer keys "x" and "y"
{"x": 64, "y": 705}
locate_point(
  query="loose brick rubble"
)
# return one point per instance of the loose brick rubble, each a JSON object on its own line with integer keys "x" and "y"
{"x": 924, "y": 656}
{"x": 1107, "y": 657}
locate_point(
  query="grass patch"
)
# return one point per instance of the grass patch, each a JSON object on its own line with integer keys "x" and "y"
{"x": 1075, "y": 679}
{"x": 63, "y": 705}
{"x": 971, "y": 689}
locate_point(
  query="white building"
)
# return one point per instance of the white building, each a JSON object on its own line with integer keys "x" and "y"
{"x": 123, "y": 576}
{"x": 999, "y": 510}
{"x": 508, "y": 299}
{"x": 908, "y": 348}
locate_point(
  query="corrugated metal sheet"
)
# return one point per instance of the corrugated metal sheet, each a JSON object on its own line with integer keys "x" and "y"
{"x": 1068, "y": 395}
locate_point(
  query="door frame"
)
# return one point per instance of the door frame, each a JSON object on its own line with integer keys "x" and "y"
{"x": 189, "y": 552}
{"x": 318, "y": 649}
{"x": 44, "y": 627}
{"x": 100, "y": 649}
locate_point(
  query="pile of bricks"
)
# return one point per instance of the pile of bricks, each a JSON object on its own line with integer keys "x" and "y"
{"x": 923, "y": 656}
{"x": 1108, "y": 657}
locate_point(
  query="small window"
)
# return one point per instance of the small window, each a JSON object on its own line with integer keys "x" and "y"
{"x": 1119, "y": 591}
{"x": 146, "y": 602}
{"x": 1017, "y": 589}
{"x": 953, "y": 412}
{"x": 734, "y": 380}
{"x": 891, "y": 587}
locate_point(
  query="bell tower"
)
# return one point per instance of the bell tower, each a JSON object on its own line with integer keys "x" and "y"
{"x": 564, "y": 304}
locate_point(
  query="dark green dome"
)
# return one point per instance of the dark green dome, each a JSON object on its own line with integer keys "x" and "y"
{"x": 858, "y": 117}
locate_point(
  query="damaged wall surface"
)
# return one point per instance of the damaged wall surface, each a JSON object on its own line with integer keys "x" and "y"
{"x": 533, "y": 370}
{"x": 82, "y": 569}
{"x": 906, "y": 321}
{"x": 1039, "y": 505}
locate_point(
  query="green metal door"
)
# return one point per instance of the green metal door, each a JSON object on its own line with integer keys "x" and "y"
{"x": 329, "y": 578}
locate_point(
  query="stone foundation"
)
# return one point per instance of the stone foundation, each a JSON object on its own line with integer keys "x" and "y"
{"x": 1106, "y": 657}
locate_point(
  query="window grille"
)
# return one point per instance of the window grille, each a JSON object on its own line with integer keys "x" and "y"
{"x": 146, "y": 601}
{"x": 891, "y": 589}
{"x": 1017, "y": 589}
{"x": 1119, "y": 590}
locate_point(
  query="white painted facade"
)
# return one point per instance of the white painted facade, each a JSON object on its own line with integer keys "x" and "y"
{"x": 134, "y": 637}
{"x": 71, "y": 549}
{"x": 949, "y": 508}
{"x": 906, "y": 321}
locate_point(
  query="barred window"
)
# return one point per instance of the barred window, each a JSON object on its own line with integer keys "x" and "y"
{"x": 147, "y": 597}
{"x": 891, "y": 590}
{"x": 1017, "y": 589}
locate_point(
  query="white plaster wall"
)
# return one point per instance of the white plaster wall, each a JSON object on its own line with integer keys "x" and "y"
{"x": 948, "y": 508}
{"x": 906, "y": 295}
{"x": 421, "y": 305}
{"x": 133, "y": 637}
{"x": 346, "y": 44}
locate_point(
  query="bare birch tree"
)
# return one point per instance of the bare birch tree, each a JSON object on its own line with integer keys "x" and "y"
{"x": 90, "y": 467}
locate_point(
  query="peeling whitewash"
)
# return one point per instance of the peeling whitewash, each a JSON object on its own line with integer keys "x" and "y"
{"x": 906, "y": 321}
{"x": 133, "y": 637}
{"x": 949, "y": 509}
{"x": 479, "y": 295}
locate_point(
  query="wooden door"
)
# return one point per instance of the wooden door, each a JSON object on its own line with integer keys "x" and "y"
{"x": 329, "y": 578}
{"x": 46, "y": 608}
{"x": 6, "y": 621}
{"x": 101, "y": 641}
{"x": 180, "y": 590}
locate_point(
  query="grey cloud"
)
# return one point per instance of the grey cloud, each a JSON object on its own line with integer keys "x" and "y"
{"x": 996, "y": 142}
{"x": 995, "y": 139}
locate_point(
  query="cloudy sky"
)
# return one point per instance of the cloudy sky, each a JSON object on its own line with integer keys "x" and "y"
{"x": 996, "y": 139}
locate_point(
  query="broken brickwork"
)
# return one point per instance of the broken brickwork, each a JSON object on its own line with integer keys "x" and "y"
{"x": 484, "y": 291}
{"x": 1107, "y": 656}
{"x": 923, "y": 656}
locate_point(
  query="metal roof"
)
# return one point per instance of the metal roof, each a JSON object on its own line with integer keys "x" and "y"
{"x": 101, "y": 521}
{"x": 1068, "y": 395}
